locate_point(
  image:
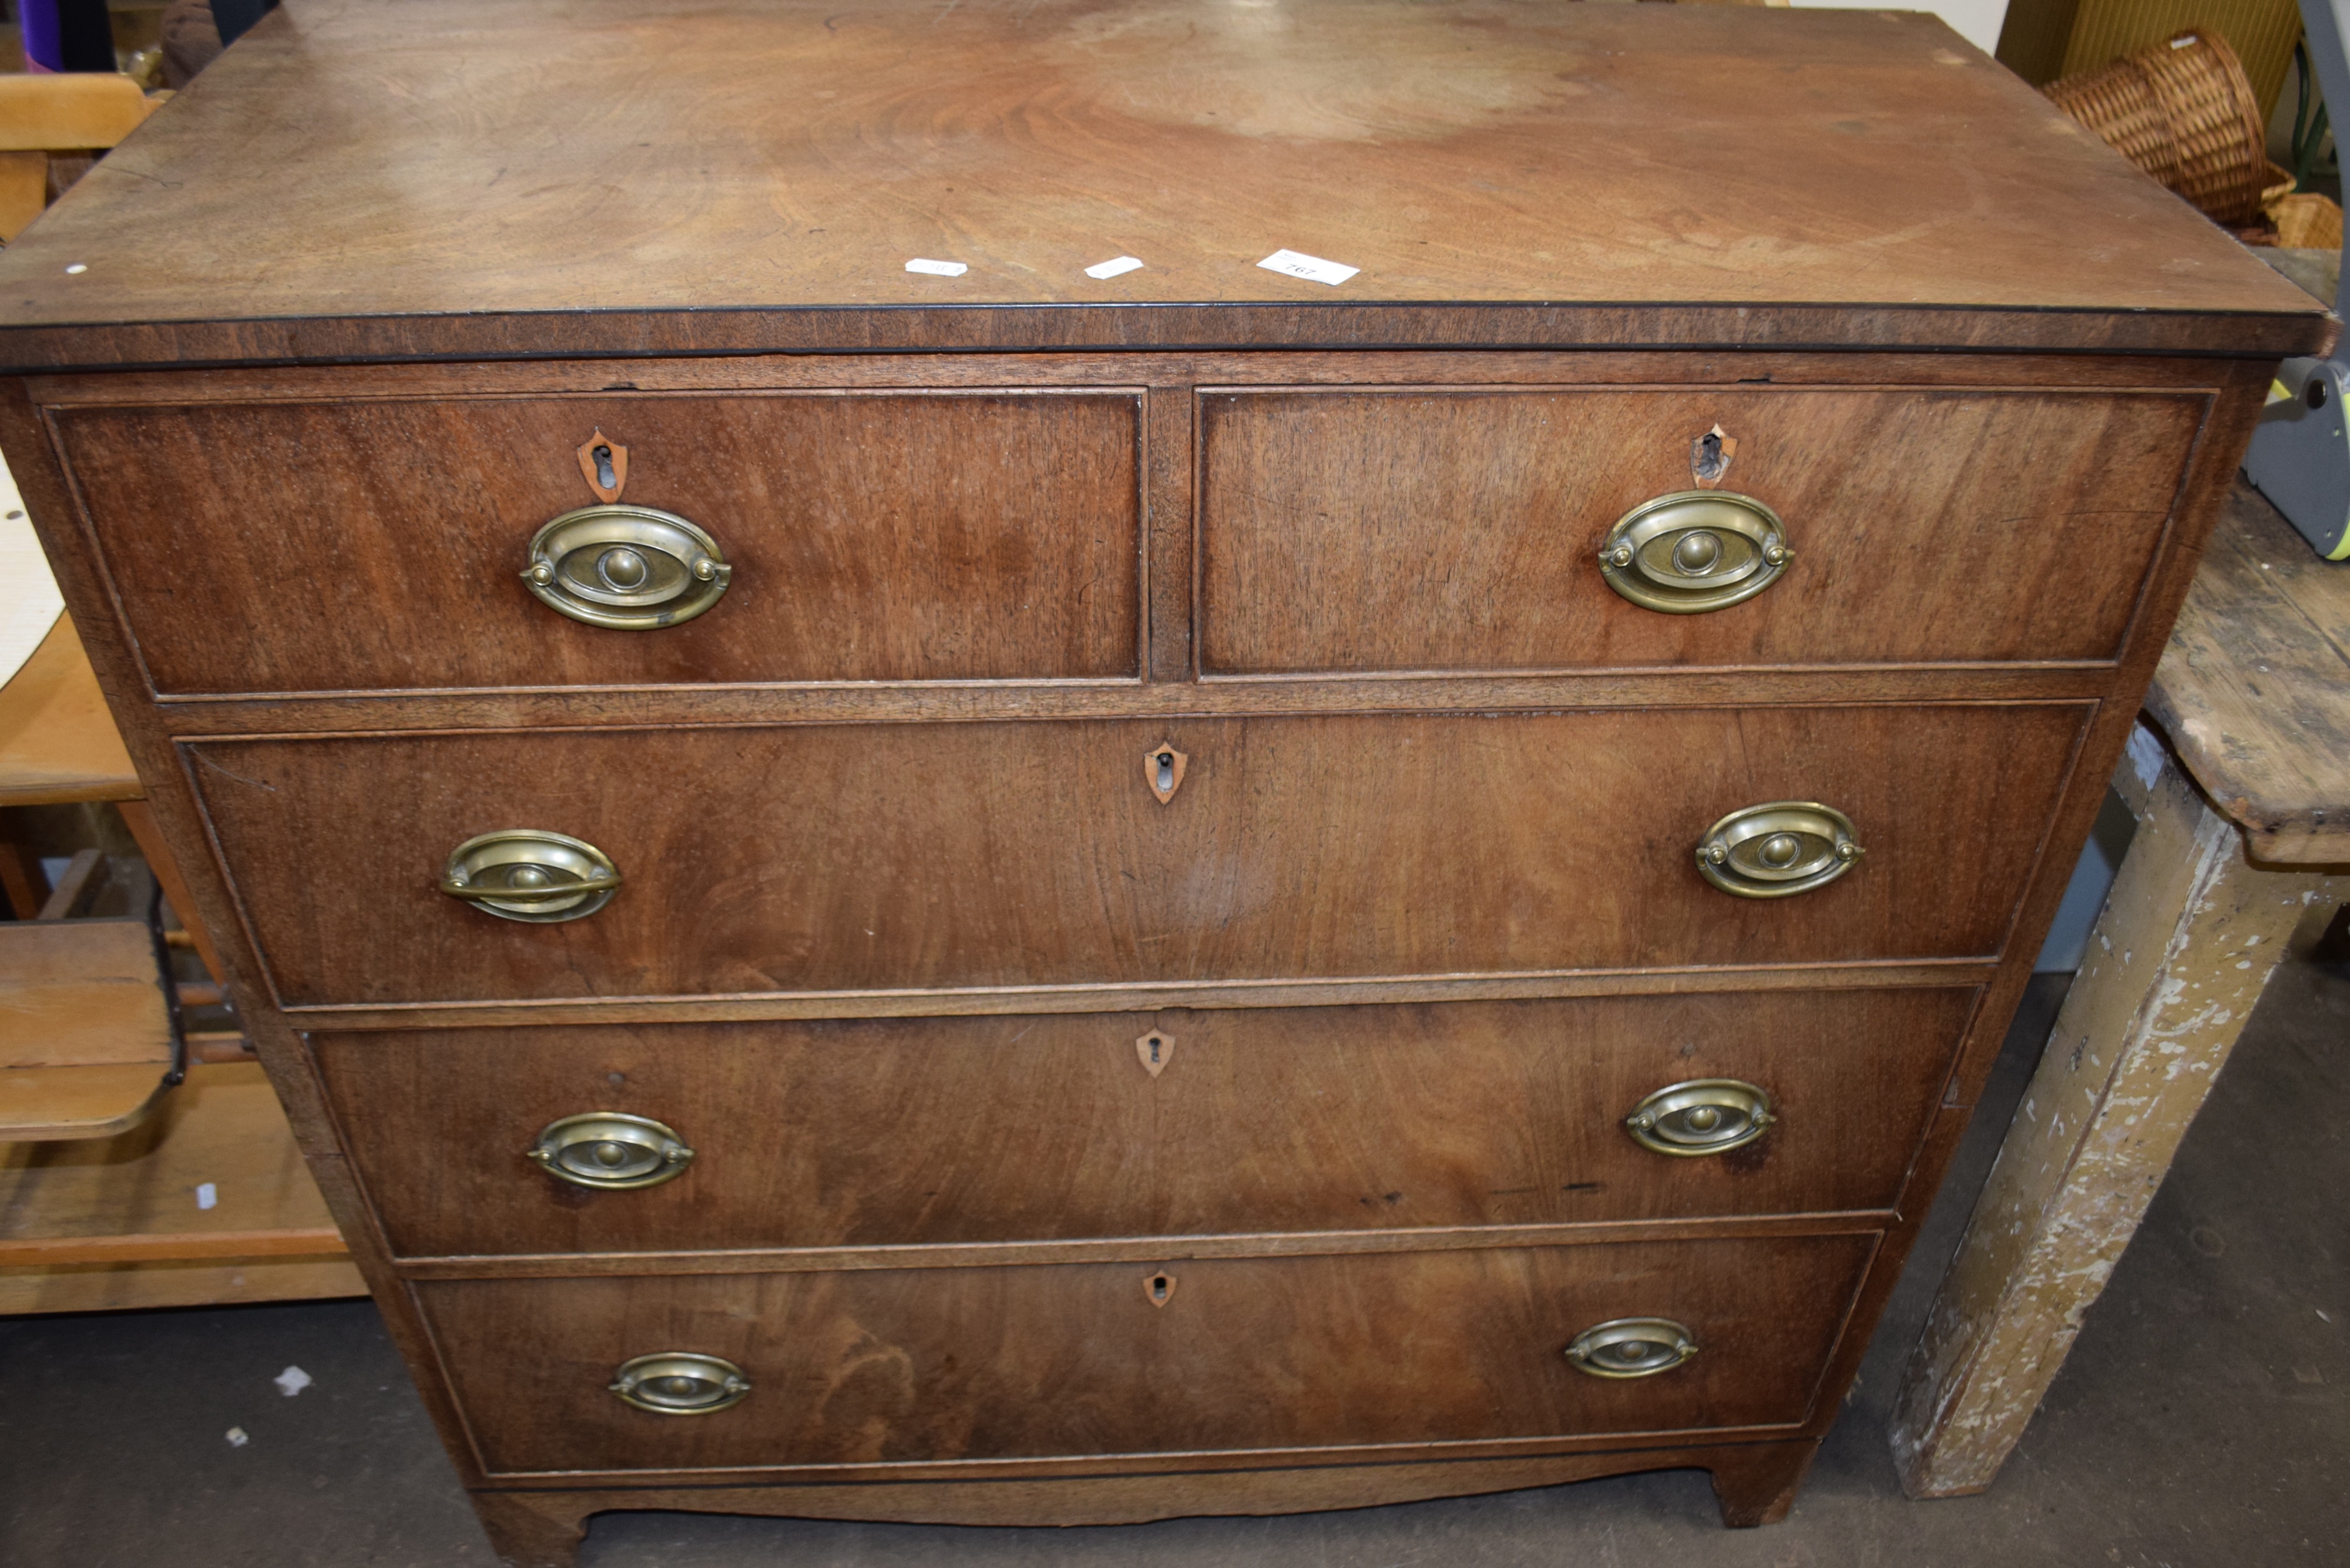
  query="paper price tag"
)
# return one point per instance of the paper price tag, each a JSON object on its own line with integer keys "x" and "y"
{"x": 1312, "y": 269}
{"x": 937, "y": 268}
{"x": 1107, "y": 270}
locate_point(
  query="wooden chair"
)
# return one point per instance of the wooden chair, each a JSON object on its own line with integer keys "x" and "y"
{"x": 46, "y": 116}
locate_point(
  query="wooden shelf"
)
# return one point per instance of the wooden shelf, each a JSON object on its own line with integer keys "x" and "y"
{"x": 105, "y": 1224}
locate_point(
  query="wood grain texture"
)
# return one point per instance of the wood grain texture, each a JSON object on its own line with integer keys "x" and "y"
{"x": 1715, "y": 216}
{"x": 1399, "y": 1350}
{"x": 2251, "y": 689}
{"x": 531, "y": 1528}
{"x": 1185, "y": 367}
{"x": 1151, "y": 1252}
{"x": 1460, "y": 530}
{"x": 883, "y": 857}
{"x": 786, "y": 161}
{"x": 77, "y": 993}
{"x": 1312, "y": 1118}
{"x": 368, "y": 544}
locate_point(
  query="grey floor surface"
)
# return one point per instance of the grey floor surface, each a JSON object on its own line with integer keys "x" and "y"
{"x": 2203, "y": 1417}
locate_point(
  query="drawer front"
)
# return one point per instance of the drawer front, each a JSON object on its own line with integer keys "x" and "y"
{"x": 891, "y": 1131}
{"x": 896, "y": 1366}
{"x": 840, "y": 858}
{"x": 1461, "y": 529}
{"x": 377, "y": 543}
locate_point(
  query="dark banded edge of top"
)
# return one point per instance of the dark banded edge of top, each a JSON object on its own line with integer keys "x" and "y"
{"x": 846, "y": 330}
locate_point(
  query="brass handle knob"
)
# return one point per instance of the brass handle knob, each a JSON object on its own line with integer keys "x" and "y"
{"x": 529, "y": 874}
{"x": 629, "y": 567}
{"x": 681, "y": 1382}
{"x": 1704, "y": 1116}
{"x": 1695, "y": 550}
{"x": 609, "y": 1149}
{"x": 1631, "y": 1347}
{"x": 1773, "y": 851}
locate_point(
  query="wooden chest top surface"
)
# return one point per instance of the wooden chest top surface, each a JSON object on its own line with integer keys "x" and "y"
{"x": 434, "y": 177}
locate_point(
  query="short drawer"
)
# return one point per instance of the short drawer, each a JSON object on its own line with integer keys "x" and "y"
{"x": 884, "y": 1132}
{"x": 380, "y": 542}
{"x": 828, "y": 858}
{"x": 1462, "y": 528}
{"x": 897, "y": 1366}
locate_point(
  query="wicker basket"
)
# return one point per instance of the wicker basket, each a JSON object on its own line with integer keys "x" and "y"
{"x": 2183, "y": 112}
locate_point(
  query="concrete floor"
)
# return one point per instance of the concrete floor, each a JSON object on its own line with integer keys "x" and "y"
{"x": 2204, "y": 1416}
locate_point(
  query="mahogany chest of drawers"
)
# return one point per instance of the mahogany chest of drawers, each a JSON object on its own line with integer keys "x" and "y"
{"x": 1013, "y": 896}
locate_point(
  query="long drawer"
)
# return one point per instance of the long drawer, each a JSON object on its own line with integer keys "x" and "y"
{"x": 380, "y": 542}
{"x": 891, "y": 1131}
{"x": 893, "y": 1366}
{"x": 1460, "y": 528}
{"x": 843, "y": 857}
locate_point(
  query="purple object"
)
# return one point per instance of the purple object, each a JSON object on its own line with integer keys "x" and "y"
{"x": 43, "y": 51}
{"x": 66, "y": 35}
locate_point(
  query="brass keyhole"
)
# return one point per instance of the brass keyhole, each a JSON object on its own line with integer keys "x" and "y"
{"x": 604, "y": 476}
{"x": 1159, "y": 1287}
{"x": 1165, "y": 761}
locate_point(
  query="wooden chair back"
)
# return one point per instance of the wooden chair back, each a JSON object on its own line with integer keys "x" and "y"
{"x": 41, "y": 115}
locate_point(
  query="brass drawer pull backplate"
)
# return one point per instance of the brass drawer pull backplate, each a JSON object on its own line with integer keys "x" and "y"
{"x": 681, "y": 1382}
{"x": 1695, "y": 550}
{"x": 610, "y": 1149}
{"x": 1774, "y": 850}
{"x": 529, "y": 874}
{"x": 1704, "y": 1116}
{"x": 629, "y": 567}
{"x": 1631, "y": 1347}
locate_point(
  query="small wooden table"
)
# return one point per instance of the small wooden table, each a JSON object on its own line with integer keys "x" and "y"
{"x": 2242, "y": 846}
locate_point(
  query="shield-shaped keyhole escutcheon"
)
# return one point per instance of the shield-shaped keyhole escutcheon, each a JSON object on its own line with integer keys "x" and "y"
{"x": 1163, "y": 765}
{"x": 605, "y": 465}
{"x": 1153, "y": 1049}
{"x": 1158, "y": 1288}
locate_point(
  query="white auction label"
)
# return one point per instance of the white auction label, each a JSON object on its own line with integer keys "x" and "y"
{"x": 1312, "y": 269}
{"x": 937, "y": 268}
{"x": 1110, "y": 269}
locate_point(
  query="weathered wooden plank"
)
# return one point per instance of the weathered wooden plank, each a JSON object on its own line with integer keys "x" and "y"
{"x": 2187, "y": 941}
{"x": 2251, "y": 689}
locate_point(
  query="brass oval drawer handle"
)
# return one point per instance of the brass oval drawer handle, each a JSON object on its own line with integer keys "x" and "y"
{"x": 610, "y": 1149}
{"x": 1704, "y": 1116}
{"x": 629, "y": 567}
{"x": 1631, "y": 1347}
{"x": 681, "y": 1382}
{"x": 530, "y": 874}
{"x": 1774, "y": 850}
{"x": 1695, "y": 550}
